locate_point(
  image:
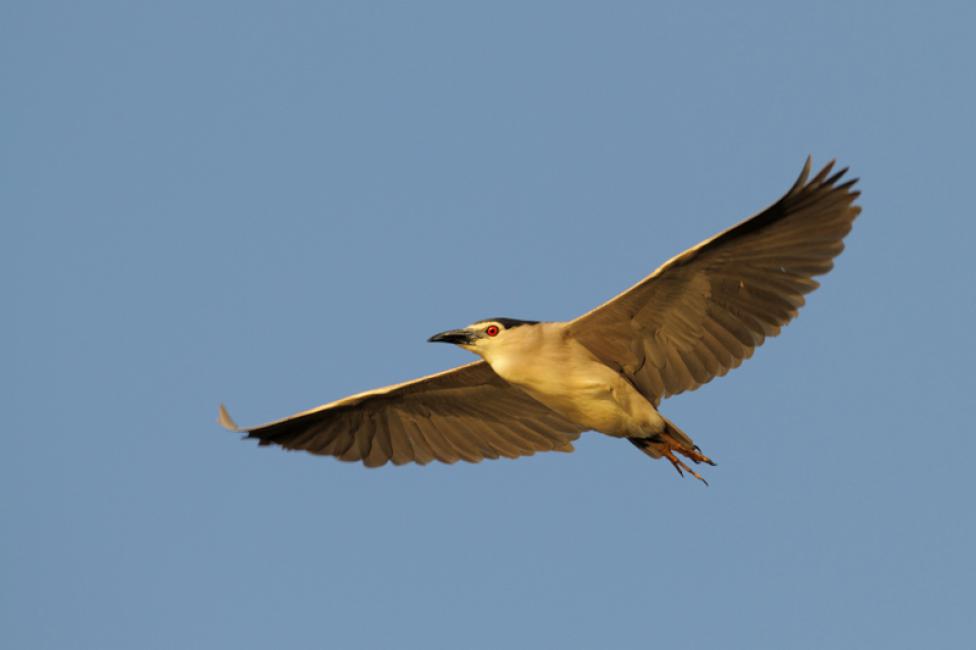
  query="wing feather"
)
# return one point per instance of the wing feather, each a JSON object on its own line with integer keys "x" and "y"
{"x": 706, "y": 310}
{"x": 467, "y": 413}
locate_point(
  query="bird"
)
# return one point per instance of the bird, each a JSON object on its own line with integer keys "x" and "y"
{"x": 538, "y": 385}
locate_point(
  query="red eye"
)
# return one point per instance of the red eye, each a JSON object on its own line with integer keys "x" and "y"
{"x": 491, "y": 330}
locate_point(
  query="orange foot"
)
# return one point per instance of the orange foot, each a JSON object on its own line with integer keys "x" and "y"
{"x": 666, "y": 445}
{"x": 694, "y": 454}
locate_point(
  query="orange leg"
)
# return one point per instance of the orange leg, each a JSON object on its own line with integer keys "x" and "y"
{"x": 680, "y": 465}
{"x": 670, "y": 446}
{"x": 666, "y": 445}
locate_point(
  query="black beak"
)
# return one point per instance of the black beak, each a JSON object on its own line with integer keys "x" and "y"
{"x": 451, "y": 336}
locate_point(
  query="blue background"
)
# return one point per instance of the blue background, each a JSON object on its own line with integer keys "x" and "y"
{"x": 274, "y": 204}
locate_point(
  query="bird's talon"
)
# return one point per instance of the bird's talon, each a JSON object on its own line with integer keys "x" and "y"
{"x": 680, "y": 466}
{"x": 677, "y": 465}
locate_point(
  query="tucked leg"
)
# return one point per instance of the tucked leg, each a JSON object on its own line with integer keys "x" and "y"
{"x": 669, "y": 446}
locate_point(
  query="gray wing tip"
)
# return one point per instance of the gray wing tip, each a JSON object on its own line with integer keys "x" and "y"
{"x": 821, "y": 177}
{"x": 822, "y": 181}
{"x": 226, "y": 421}
{"x": 804, "y": 175}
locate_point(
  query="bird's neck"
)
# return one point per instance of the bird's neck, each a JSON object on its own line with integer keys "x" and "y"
{"x": 520, "y": 354}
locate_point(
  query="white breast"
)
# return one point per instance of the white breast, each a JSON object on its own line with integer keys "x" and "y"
{"x": 562, "y": 374}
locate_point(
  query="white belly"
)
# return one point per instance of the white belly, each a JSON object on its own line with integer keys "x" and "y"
{"x": 584, "y": 391}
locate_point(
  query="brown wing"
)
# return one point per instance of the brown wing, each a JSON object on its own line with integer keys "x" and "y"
{"x": 704, "y": 311}
{"x": 468, "y": 413}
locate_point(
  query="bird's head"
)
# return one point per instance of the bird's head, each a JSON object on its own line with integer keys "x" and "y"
{"x": 483, "y": 336}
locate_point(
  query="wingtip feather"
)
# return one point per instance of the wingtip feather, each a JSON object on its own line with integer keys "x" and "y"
{"x": 821, "y": 176}
{"x": 226, "y": 421}
{"x": 804, "y": 174}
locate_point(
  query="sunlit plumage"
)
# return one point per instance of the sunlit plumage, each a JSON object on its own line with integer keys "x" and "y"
{"x": 539, "y": 385}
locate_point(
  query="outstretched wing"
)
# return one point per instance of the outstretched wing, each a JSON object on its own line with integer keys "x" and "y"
{"x": 705, "y": 311}
{"x": 467, "y": 413}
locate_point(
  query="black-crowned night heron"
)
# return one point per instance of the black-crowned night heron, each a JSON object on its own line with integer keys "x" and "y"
{"x": 540, "y": 384}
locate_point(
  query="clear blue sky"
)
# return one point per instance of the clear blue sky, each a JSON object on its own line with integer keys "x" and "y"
{"x": 274, "y": 204}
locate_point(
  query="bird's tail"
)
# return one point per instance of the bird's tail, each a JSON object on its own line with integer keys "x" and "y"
{"x": 669, "y": 443}
{"x": 673, "y": 430}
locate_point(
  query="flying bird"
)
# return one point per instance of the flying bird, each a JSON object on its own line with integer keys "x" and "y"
{"x": 539, "y": 385}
